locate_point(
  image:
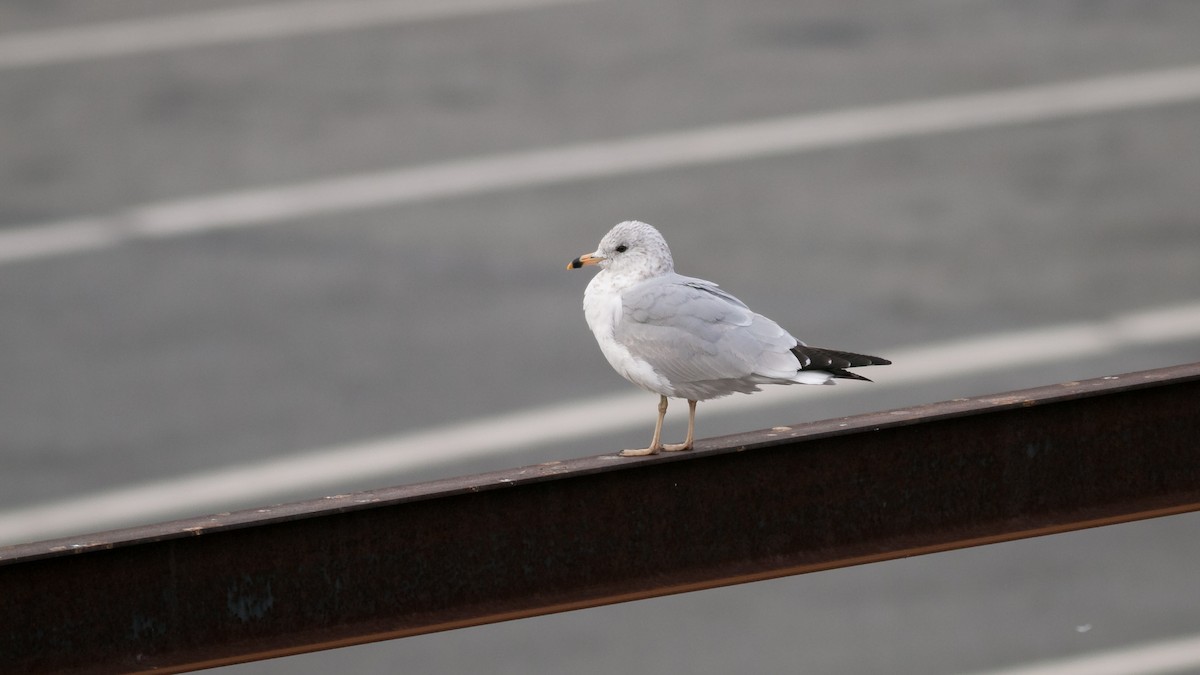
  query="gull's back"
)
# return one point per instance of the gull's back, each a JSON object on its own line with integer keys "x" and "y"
{"x": 704, "y": 341}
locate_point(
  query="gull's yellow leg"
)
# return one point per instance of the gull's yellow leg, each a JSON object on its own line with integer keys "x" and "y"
{"x": 687, "y": 444}
{"x": 656, "y": 442}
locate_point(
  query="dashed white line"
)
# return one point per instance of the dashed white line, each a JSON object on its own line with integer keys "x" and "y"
{"x": 323, "y": 469}
{"x": 1157, "y": 658}
{"x": 227, "y": 26}
{"x": 590, "y": 161}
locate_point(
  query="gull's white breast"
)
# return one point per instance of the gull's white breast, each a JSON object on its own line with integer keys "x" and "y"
{"x": 603, "y": 309}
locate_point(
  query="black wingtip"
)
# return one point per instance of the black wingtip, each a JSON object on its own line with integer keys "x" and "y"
{"x": 847, "y": 375}
{"x": 835, "y": 361}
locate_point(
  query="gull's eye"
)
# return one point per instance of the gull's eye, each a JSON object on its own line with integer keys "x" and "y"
{"x": 622, "y": 248}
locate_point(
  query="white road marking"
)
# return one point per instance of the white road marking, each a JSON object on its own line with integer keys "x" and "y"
{"x": 319, "y": 470}
{"x": 590, "y": 161}
{"x": 1157, "y": 658}
{"x": 226, "y": 26}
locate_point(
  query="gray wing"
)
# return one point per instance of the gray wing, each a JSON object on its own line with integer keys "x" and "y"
{"x": 689, "y": 330}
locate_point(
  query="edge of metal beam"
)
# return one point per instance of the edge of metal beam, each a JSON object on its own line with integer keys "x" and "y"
{"x": 406, "y": 560}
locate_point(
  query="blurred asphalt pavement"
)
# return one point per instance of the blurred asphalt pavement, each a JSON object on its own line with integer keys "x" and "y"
{"x": 147, "y": 357}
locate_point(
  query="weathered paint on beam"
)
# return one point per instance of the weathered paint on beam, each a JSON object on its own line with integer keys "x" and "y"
{"x": 416, "y": 559}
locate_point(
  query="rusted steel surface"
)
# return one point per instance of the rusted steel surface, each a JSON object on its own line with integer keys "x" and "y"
{"x": 409, "y": 560}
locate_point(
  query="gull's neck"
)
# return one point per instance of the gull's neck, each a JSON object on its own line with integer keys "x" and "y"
{"x": 634, "y": 271}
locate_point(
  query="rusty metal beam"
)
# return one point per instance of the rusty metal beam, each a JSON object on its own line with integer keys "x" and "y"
{"x": 408, "y": 560}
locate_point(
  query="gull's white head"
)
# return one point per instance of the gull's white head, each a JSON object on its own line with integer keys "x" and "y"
{"x": 632, "y": 248}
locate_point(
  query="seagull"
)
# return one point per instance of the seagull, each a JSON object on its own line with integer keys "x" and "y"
{"x": 683, "y": 337}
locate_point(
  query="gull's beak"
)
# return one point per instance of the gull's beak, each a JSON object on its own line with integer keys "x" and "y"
{"x": 585, "y": 259}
